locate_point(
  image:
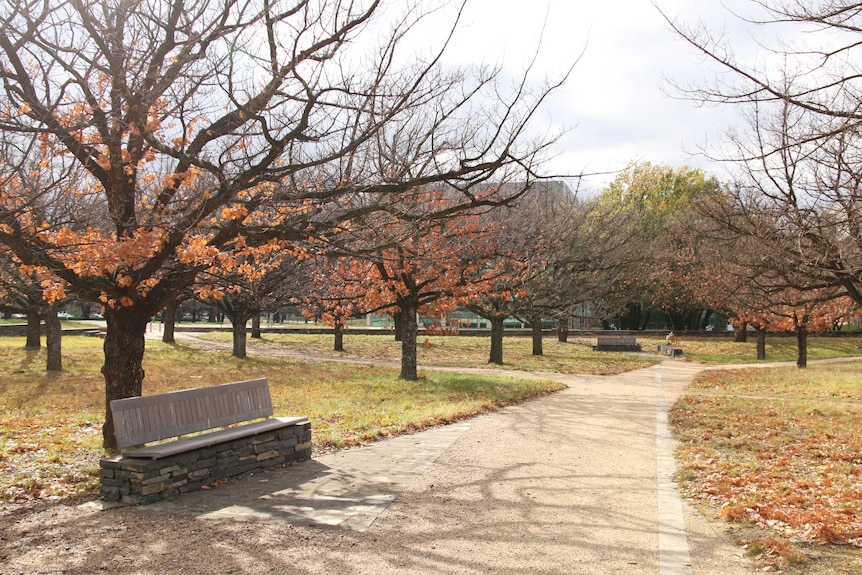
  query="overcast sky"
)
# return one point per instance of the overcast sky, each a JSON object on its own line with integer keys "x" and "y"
{"x": 617, "y": 97}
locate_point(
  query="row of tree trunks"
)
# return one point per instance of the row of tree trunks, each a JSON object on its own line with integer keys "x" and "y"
{"x": 53, "y": 336}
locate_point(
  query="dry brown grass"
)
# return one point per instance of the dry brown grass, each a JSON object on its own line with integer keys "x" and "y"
{"x": 575, "y": 356}
{"x": 50, "y": 424}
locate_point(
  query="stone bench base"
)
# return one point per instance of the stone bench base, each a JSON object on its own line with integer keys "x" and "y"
{"x": 139, "y": 481}
{"x": 669, "y": 350}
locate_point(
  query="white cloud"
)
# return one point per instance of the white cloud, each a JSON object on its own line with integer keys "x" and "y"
{"x": 617, "y": 96}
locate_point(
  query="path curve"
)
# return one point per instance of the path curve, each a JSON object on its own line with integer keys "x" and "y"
{"x": 582, "y": 478}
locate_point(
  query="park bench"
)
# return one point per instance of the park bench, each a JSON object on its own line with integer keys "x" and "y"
{"x": 669, "y": 350}
{"x": 201, "y": 436}
{"x": 616, "y": 343}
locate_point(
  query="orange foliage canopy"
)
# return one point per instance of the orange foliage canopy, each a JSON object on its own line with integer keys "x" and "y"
{"x": 427, "y": 266}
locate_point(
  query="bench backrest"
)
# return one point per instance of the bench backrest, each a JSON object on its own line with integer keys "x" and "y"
{"x": 139, "y": 420}
{"x": 616, "y": 340}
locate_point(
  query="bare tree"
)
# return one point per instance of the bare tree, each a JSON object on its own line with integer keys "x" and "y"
{"x": 799, "y": 156}
{"x": 188, "y": 118}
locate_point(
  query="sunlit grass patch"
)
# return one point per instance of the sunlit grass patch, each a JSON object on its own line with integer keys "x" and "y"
{"x": 368, "y": 403}
{"x": 575, "y": 356}
{"x": 833, "y": 381}
{"x": 719, "y": 350}
{"x": 779, "y": 448}
{"x": 50, "y": 424}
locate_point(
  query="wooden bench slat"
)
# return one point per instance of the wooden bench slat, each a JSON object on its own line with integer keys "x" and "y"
{"x": 139, "y": 420}
{"x": 213, "y": 438}
{"x": 616, "y": 340}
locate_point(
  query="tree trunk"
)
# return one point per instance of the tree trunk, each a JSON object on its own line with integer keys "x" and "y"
{"x": 170, "y": 321}
{"x": 740, "y": 333}
{"x": 124, "y": 354}
{"x": 240, "y": 335}
{"x": 496, "y": 340}
{"x": 761, "y": 343}
{"x": 563, "y": 329}
{"x": 802, "y": 347}
{"x": 255, "y": 326}
{"x": 409, "y": 330}
{"x": 398, "y": 318}
{"x": 339, "y": 336}
{"x": 34, "y": 330}
{"x": 536, "y": 325}
{"x": 53, "y": 337}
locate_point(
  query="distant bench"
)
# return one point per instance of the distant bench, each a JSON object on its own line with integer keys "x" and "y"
{"x": 670, "y": 350}
{"x": 148, "y": 473}
{"x": 616, "y": 343}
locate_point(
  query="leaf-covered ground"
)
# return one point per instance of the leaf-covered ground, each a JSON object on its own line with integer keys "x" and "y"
{"x": 780, "y": 449}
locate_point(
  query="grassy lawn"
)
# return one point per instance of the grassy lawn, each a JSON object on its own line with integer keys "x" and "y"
{"x": 778, "y": 454}
{"x": 50, "y": 424}
{"x": 720, "y": 350}
{"x": 576, "y": 356}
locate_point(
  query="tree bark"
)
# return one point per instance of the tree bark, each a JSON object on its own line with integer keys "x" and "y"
{"x": 398, "y": 318}
{"x": 802, "y": 347}
{"x": 339, "y": 337}
{"x": 124, "y": 354}
{"x": 563, "y": 329}
{"x": 240, "y": 336}
{"x": 536, "y": 325}
{"x": 255, "y": 326}
{"x": 34, "y": 330}
{"x": 53, "y": 338}
{"x": 170, "y": 322}
{"x": 740, "y": 333}
{"x": 409, "y": 330}
{"x": 496, "y": 340}
{"x": 761, "y": 343}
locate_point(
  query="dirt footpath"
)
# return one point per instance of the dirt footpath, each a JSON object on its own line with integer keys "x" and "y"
{"x": 576, "y": 482}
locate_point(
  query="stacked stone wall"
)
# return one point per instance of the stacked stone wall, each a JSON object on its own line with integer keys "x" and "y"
{"x": 140, "y": 481}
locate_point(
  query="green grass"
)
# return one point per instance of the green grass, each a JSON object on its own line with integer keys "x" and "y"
{"x": 50, "y": 424}
{"x": 576, "y": 356}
